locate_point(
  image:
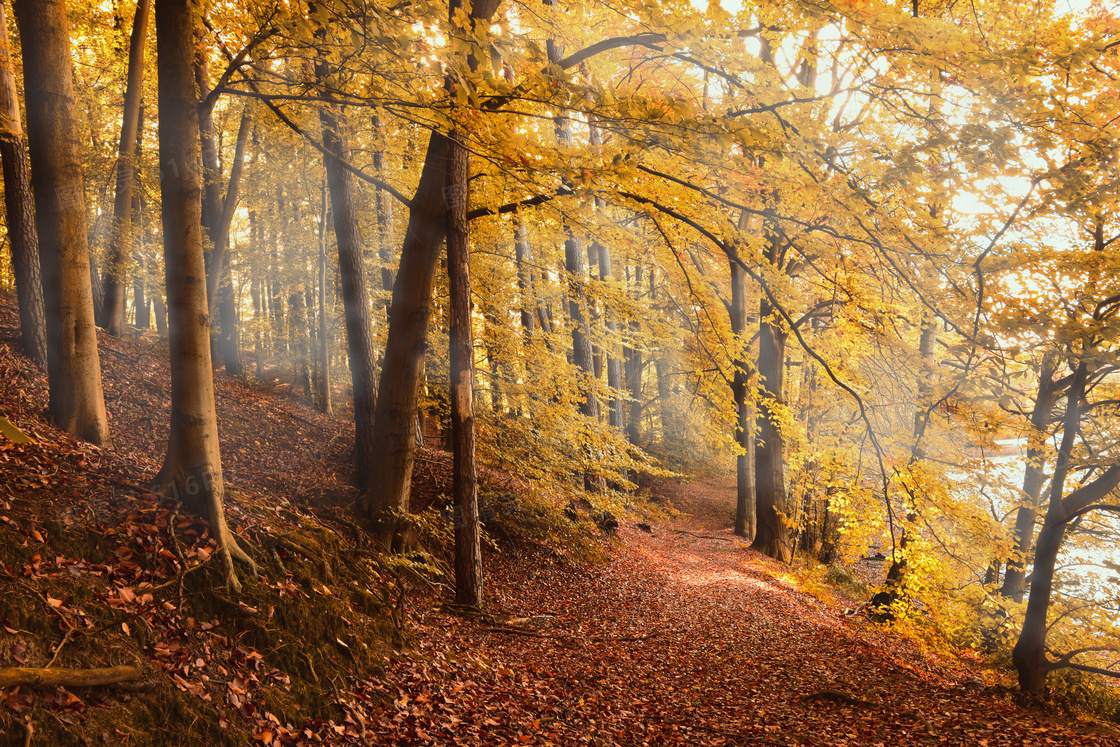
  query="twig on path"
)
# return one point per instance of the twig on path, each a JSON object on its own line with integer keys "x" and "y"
{"x": 703, "y": 536}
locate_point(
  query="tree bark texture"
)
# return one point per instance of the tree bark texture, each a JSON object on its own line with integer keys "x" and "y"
{"x": 388, "y": 477}
{"x": 355, "y": 296}
{"x": 20, "y": 211}
{"x": 119, "y": 263}
{"x": 324, "y": 357}
{"x": 77, "y": 403}
{"x": 1034, "y": 477}
{"x": 771, "y": 533}
{"x": 468, "y": 553}
{"x": 745, "y": 518}
{"x": 192, "y": 471}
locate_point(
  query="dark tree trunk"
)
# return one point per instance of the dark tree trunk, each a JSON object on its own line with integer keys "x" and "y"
{"x": 20, "y": 212}
{"x": 119, "y": 263}
{"x": 1034, "y": 477}
{"x": 388, "y": 477}
{"x": 633, "y": 356}
{"x": 523, "y": 255}
{"x": 744, "y": 410}
{"x": 192, "y": 471}
{"x": 468, "y": 553}
{"x": 355, "y": 294}
{"x": 297, "y": 303}
{"x": 77, "y": 403}
{"x": 1029, "y": 654}
{"x": 771, "y": 533}
{"x": 324, "y": 357}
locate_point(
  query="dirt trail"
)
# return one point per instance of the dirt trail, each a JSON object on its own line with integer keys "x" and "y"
{"x": 733, "y": 656}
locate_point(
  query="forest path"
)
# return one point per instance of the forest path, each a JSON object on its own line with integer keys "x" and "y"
{"x": 686, "y": 639}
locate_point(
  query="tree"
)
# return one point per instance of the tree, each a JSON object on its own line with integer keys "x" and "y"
{"x": 464, "y": 486}
{"x": 389, "y": 472}
{"x": 20, "y": 211}
{"x": 192, "y": 470}
{"x": 77, "y": 403}
{"x": 120, "y": 250}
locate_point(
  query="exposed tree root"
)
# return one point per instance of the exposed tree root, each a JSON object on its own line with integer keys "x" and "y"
{"x": 58, "y": 677}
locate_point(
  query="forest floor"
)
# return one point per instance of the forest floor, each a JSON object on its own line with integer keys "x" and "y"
{"x": 685, "y": 636}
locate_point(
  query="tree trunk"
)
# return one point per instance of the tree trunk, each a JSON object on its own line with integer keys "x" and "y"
{"x": 297, "y": 303}
{"x": 120, "y": 249}
{"x": 355, "y": 293}
{"x": 384, "y": 211}
{"x": 771, "y": 534}
{"x": 614, "y": 365}
{"x": 744, "y": 408}
{"x": 77, "y": 403}
{"x": 1034, "y": 477}
{"x": 192, "y": 470}
{"x": 161, "y": 314}
{"x": 324, "y": 356}
{"x": 633, "y": 356}
{"x": 20, "y": 211}
{"x": 388, "y": 477}
{"x": 468, "y": 553}
{"x": 1029, "y": 654}
{"x": 523, "y": 255}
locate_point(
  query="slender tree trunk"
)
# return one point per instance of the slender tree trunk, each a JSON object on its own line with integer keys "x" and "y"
{"x": 745, "y": 518}
{"x": 160, "y": 309}
{"x": 384, "y": 211}
{"x": 634, "y": 365}
{"x": 297, "y": 303}
{"x": 771, "y": 533}
{"x": 1029, "y": 654}
{"x": 120, "y": 248}
{"x": 614, "y": 365}
{"x": 77, "y": 403}
{"x": 140, "y": 303}
{"x": 324, "y": 366}
{"x": 468, "y": 553}
{"x": 1034, "y": 477}
{"x": 388, "y": 476}
{"x": 192, "y": 471}
{"x": 355, "y": 294}
{"x": 523, "y": 255}
{"x": 20, "y": 212}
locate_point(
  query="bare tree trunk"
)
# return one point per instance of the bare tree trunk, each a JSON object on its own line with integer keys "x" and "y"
{"x": 324, "y": 364}
{"x": 20, "y": 211}
{"x": 388, "y": 477}
{"x": 384, "y": 211}
{"x": 297, "y": 303}
{"x": 634, "y": 367}
{"x": 523, "y": 256}
{"x": 77, "y": 403}
{"x": 192, "y": 470}
{"x": 1029, "y": 654}
{"x": 120, "y": 249}
{"x": 355, "y": 293}
{"x": 468, "y": 553}
{"x": 745, "y": 517}
{"x": 771, "y": 533}
{"x": 1034, "y": 477}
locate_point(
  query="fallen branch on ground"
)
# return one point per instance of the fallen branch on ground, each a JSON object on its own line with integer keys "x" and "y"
{"x": 51, "y": 677}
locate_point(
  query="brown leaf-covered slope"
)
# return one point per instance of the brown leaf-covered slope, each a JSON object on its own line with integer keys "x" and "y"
{"x": 683, "y": 638}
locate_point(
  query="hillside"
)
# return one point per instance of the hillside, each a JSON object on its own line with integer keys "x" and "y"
{"x": 683, "y": 637}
